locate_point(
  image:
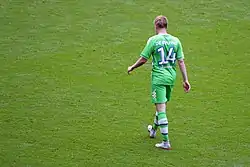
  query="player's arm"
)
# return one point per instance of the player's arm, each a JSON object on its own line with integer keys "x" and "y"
{"x": 138, "y": 63}
{"x": 183, "y": 69}
{"x": 145, "y": 55}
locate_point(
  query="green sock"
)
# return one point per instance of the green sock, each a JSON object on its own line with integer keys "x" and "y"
{"x": 163, "y": 123}
{"x": 155, "y": 125}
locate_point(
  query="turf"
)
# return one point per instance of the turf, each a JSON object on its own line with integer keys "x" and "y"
{"x": 66, "y": 99}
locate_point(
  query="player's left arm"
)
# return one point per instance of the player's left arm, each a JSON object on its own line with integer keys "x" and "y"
{"x": 145, "y": 55}
{"x": 138, "y": 63}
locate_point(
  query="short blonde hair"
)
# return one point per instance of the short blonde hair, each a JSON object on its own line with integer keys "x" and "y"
{"x": 161, "y": 22}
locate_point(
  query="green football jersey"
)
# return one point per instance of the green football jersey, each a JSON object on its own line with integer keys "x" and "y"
{"x": 165, "y": 49}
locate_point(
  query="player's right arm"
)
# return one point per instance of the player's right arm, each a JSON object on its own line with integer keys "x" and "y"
{"x": 183, "y": 69}
{"x": 186, "y": 84}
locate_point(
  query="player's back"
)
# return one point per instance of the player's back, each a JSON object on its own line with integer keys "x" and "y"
{"x": 166, "y": 49}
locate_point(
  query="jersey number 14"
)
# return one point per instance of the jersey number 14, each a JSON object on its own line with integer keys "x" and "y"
{"x": 169, "y": 58}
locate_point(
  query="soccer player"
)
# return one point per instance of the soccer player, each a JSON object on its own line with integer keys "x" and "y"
{"x": 165, "y": 49}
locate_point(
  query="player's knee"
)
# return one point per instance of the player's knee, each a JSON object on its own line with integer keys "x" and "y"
{"x": 160, "y": 106}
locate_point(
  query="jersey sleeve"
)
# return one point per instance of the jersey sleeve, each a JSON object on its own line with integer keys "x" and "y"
{"x": 148, "y": 49}
{"x": 180, "y": 54}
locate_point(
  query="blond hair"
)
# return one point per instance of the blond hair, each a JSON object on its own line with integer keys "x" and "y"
{"x": 161, "y": 22}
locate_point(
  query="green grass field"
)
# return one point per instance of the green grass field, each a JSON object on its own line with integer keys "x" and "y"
{"x": 67, "y": 101}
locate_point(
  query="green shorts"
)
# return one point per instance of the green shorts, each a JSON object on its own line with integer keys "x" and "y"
{"x": 161, "y": 93}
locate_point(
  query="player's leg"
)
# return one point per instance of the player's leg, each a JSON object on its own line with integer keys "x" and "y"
{"x": 162, "y": 120}
{"x": 162, "y": 95}
{"x": 153, "y": 128}
{"x": 163, "y": 124}
{"x": 156, "y": 124}
{"x": 158, "y": 96}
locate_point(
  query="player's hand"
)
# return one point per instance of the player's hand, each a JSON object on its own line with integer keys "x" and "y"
{"x": 130, "y": 69}
{"x": 186, "y": 86}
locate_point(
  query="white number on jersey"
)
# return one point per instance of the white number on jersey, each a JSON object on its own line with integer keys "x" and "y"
{"x": 169, "y": 58}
